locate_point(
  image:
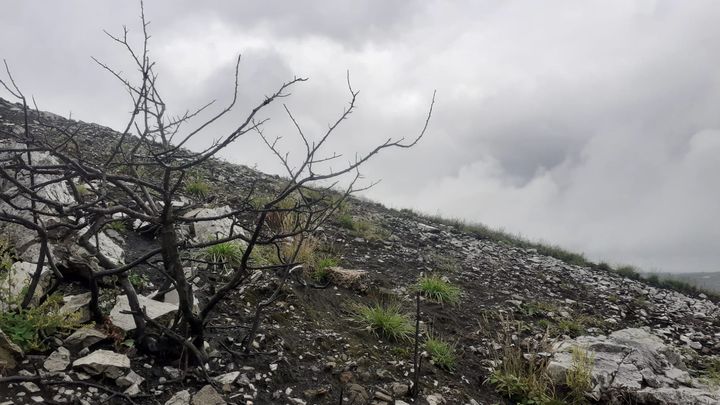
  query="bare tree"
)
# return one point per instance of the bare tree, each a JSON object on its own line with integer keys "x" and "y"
{"x": 141, "y": 174}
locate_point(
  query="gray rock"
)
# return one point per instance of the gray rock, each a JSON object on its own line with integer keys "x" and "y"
{"x": 83, "y": 338}
{"x": 435, "y": 399}
{"x": 132, "y": 378}
{"x": 105, "y": 362}
{"x": 58, "y": 360}
{"x": 227, "y": 378}
{"x": 207, "y": 396}
{"x": 77, "y": 304}
{"x": 634, "y": 364}
{"x": 206, "y": 231}
{"x": 180, "y": 398}
{"x": 154, "y": 309}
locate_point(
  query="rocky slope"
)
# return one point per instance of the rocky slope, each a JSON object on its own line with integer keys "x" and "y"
{"x": 645, "y": 345}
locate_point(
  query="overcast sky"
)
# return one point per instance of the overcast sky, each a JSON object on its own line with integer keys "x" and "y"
{"x": 593, "y": 125}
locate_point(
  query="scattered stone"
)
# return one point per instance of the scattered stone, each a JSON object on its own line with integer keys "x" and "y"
{"x": 132, "y": 378}
{"x": 435, "y": 399}
{"x": 105, "y": 362}
{"x": 180, "y": 398}
{"x": 58, "y": 360}
{"x": 154, "y": 309}
{"x": 30, "y": 387}
{"x": 357, "y": 394}
{"x": 83, "y": 338}
{"x": 77, "y": 303}
{"x": 227, "y": 378}
{"x": 207, "y": 396}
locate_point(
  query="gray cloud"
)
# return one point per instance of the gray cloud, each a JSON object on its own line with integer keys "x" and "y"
{"x": 593, "y": 125}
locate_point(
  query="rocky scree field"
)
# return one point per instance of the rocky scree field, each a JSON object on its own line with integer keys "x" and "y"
{"x": 498, "y": 323}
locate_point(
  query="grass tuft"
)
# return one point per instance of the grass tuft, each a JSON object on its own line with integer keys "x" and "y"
{"x": 441, "y": 352}
{"x": 437, "y": 289}
{"x": 388, "y": 321}
{"x": 197, "y": 189}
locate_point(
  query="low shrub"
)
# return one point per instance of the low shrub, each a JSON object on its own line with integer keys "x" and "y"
{"x": 29, "y": 328}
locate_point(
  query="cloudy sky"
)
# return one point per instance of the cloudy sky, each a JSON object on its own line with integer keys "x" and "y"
{"x": 594, "y": 125}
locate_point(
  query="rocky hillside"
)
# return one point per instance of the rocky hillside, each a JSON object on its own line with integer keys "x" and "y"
{"x": 498, "y": 323}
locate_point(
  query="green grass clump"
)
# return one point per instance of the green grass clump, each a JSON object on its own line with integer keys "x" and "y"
{"x": 628, "y": 272}
{"x": 118, "y": 226}
{"x": 29, "y": 328}
{"x": 197, "y": 189}
{"x": 435, "y": 288}
{"x": 226, "y": 254}
{"x": 388, "y": 321}
{"x": 578, "y": 378}
{"x": 322, "y": 266}
{"x": 441, "y": 353}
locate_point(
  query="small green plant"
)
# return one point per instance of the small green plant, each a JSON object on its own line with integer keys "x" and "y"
{"x": 138, "y": 280}
{"x": 571, "y": 327}
{"x": 321, "y": 269}
{"x": 7, "y": 255}
{"x": 535, "y": 308}
{"x": 118, "y": 226}
{"x": 29, "y": 328}
{"x": 441, "y": 353}
{"x": 388, "y": 321}
{"x": 438, "y": 289}
{"x": 197, "y": 189}
{"x": 345, "y": 220}
{"x": 223, "y": 255}
{"x": 578, "y": 378}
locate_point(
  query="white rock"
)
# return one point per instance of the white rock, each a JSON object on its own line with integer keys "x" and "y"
{"x": 105, "y": 362}
{"x": 154, "y": 309}
{"x": 82, "y": 338}
{"x": 58, "y": 360}
{"x": 180, "y": 398}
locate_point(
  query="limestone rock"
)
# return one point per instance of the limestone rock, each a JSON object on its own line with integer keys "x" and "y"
{"x": 210, "y": 230}
{"x": 58, "y": 360}
{"x": 207, "y": 396}
{"x": 82, "y": 338}
{"x": 180, "y": 398}
{"x": 132, "y": 378}
{"x": 634, "y": 363}
{"x": 154, "y": 309}
{"x": 77, "y": 303}
{"x": 106, "y": 362}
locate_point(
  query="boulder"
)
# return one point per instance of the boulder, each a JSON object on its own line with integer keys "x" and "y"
{"x": 154, "y": 309}
{"x": 633, "y": 364}
{"x": 131, "y": 379}
{"x": 205, "y": 231}
{"x": 106, "y": 362}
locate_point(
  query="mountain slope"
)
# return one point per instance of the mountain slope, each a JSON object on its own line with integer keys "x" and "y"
{"x": 313, "y": 348}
